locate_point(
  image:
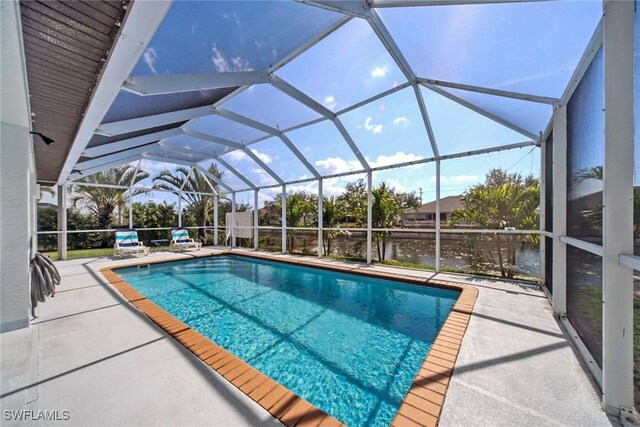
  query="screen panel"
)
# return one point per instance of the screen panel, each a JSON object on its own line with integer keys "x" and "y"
{"x": 584, "y": 298}
{"x": 500, "y": 46}
{"x": 201, "y": 37}
{"x": 585, "y": 154}
{"x": 353, "y": 65}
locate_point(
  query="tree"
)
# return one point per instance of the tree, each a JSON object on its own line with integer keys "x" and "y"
{"x": 353, "y": 203}
{"x": 47, "y": 221}
{"x": 192, "y": 182}
{"x": 331, "y": 215}
{"x": 594, "y": 215}
{"x": 503, "y": 200}
{"x": 153, "y": 215}
{"x": 301, "y": 211}
{"x": 385, "y": 209}
{"x": 408, "y": 200}
{"x": 102, "y": 201}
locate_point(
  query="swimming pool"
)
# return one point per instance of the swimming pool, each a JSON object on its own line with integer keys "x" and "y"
{"x": 350, "y": 345}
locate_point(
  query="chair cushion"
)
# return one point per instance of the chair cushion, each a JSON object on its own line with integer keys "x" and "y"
{"x": 127, "y": 244}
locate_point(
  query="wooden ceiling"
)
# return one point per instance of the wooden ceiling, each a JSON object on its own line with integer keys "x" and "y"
{"x": 66, "y": 45}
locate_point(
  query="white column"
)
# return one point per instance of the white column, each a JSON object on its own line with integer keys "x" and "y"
{"x": 133, "y": 179}
{"x": 180, "y": 209}
{"x": 437, "y": 219}
{"x": 130, "y": 210}
{"x": 284, "y": 219}
{"x": 62, "y": 221}
{"x": 617, "y": 313}
{"x": 369, "y": 216}
{"x": 234, "y": 223}
{"x": 16, "y": 168}
{"x": 256, "y": 219}
{"x": 559, "y": 209}
{"x": 320, "y": 214}
{"x": 215, "y": 221}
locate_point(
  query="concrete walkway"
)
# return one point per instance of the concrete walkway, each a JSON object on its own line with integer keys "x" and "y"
{"x": 94, "y": 355}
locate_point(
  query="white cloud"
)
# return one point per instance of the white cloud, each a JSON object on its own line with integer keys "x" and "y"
{"x": 399, "y": 157}
{"x": 219, "y": 61}
{"x": 333, "y": 165}
{"x": 371, "y": 127}
{"x": 236, "y": 155}
{"x": 330, "y": 102}
{"x": 153, "y": 168}
{"x": 395, "y": 184}
{"x": 150, "y": 55}
{"x": 222, "y": 64}
{"x": 379, "y": 71}
{"x": 240, "y": 64}
{"x": 263, "y": 177}
{"x": 401, "y": 121}
{"x": 262, "y": 156}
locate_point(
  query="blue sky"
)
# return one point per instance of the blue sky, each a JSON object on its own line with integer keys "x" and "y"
{"x": 502, "y": 46}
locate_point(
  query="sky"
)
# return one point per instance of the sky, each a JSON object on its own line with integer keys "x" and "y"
{"x": 499, "y": 46}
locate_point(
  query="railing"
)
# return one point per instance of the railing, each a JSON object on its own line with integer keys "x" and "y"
{"x": 460, "y": 249}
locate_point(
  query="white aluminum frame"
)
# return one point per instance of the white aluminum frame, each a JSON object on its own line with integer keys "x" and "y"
{"x": 172, "y": 83}
{"x": 614, "y": 30}
{"x": 617, "y": 222}
{"x": 559, "y": 209}
{"x": 142, "y": 20}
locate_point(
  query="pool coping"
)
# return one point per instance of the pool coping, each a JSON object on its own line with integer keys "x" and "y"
{"x": 422, "y": 406}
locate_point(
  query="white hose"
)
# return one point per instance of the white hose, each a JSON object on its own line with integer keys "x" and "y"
{"x": 44, "y": 279}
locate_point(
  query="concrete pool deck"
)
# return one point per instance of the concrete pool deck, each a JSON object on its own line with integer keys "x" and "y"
{"x": 93, "y": 354}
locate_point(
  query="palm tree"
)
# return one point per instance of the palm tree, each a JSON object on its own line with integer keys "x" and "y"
{"x": 102, "y": 201}
{"x": 332, "y": 209}
{"x": 595, "y": 172}
{"x": 385, "y": 208}
{"x": 193, "y": 182}
{"x": 512, "y": 203}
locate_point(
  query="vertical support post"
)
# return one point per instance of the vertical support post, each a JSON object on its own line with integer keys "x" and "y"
{"x": 369, "y": 215}
{"x": 215, "y": 221}
{"x": 437, "y": 219}
{"x": 559, "y": 209}
{"x": 130, "y": 210}
{"x": 133, "y": 179}
{"x": 256, "y": 218}
{"x": 179, "y": 208}
{"x": 542, "y": 222}
{"x": 617, "y": 221}
{"x": 284, "y": 219}
{"x": 234, "y": 223}
{"x": 320, "y": 217}
{"x": 62, "y": 221}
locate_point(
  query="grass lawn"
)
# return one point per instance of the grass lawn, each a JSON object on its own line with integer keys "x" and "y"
{"x": 82, "y": 253}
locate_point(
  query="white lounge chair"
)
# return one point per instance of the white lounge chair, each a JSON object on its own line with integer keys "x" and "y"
{"x": 127, "y": 243}
{"x": 180, "y": 240}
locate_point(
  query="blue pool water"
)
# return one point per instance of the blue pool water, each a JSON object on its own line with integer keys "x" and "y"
{"x": 350, "y": 345}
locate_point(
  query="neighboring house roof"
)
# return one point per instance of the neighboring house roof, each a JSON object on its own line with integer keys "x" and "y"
{"x": 447, "y": 204}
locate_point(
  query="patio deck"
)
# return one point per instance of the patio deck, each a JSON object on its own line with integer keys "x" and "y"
{"x": 94, "y": 355}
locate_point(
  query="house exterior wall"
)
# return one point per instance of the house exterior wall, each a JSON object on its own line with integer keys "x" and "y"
{"x": 17, "y": 176}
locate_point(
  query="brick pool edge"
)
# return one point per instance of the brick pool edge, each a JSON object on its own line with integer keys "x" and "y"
{"x": 423, "y": 403}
